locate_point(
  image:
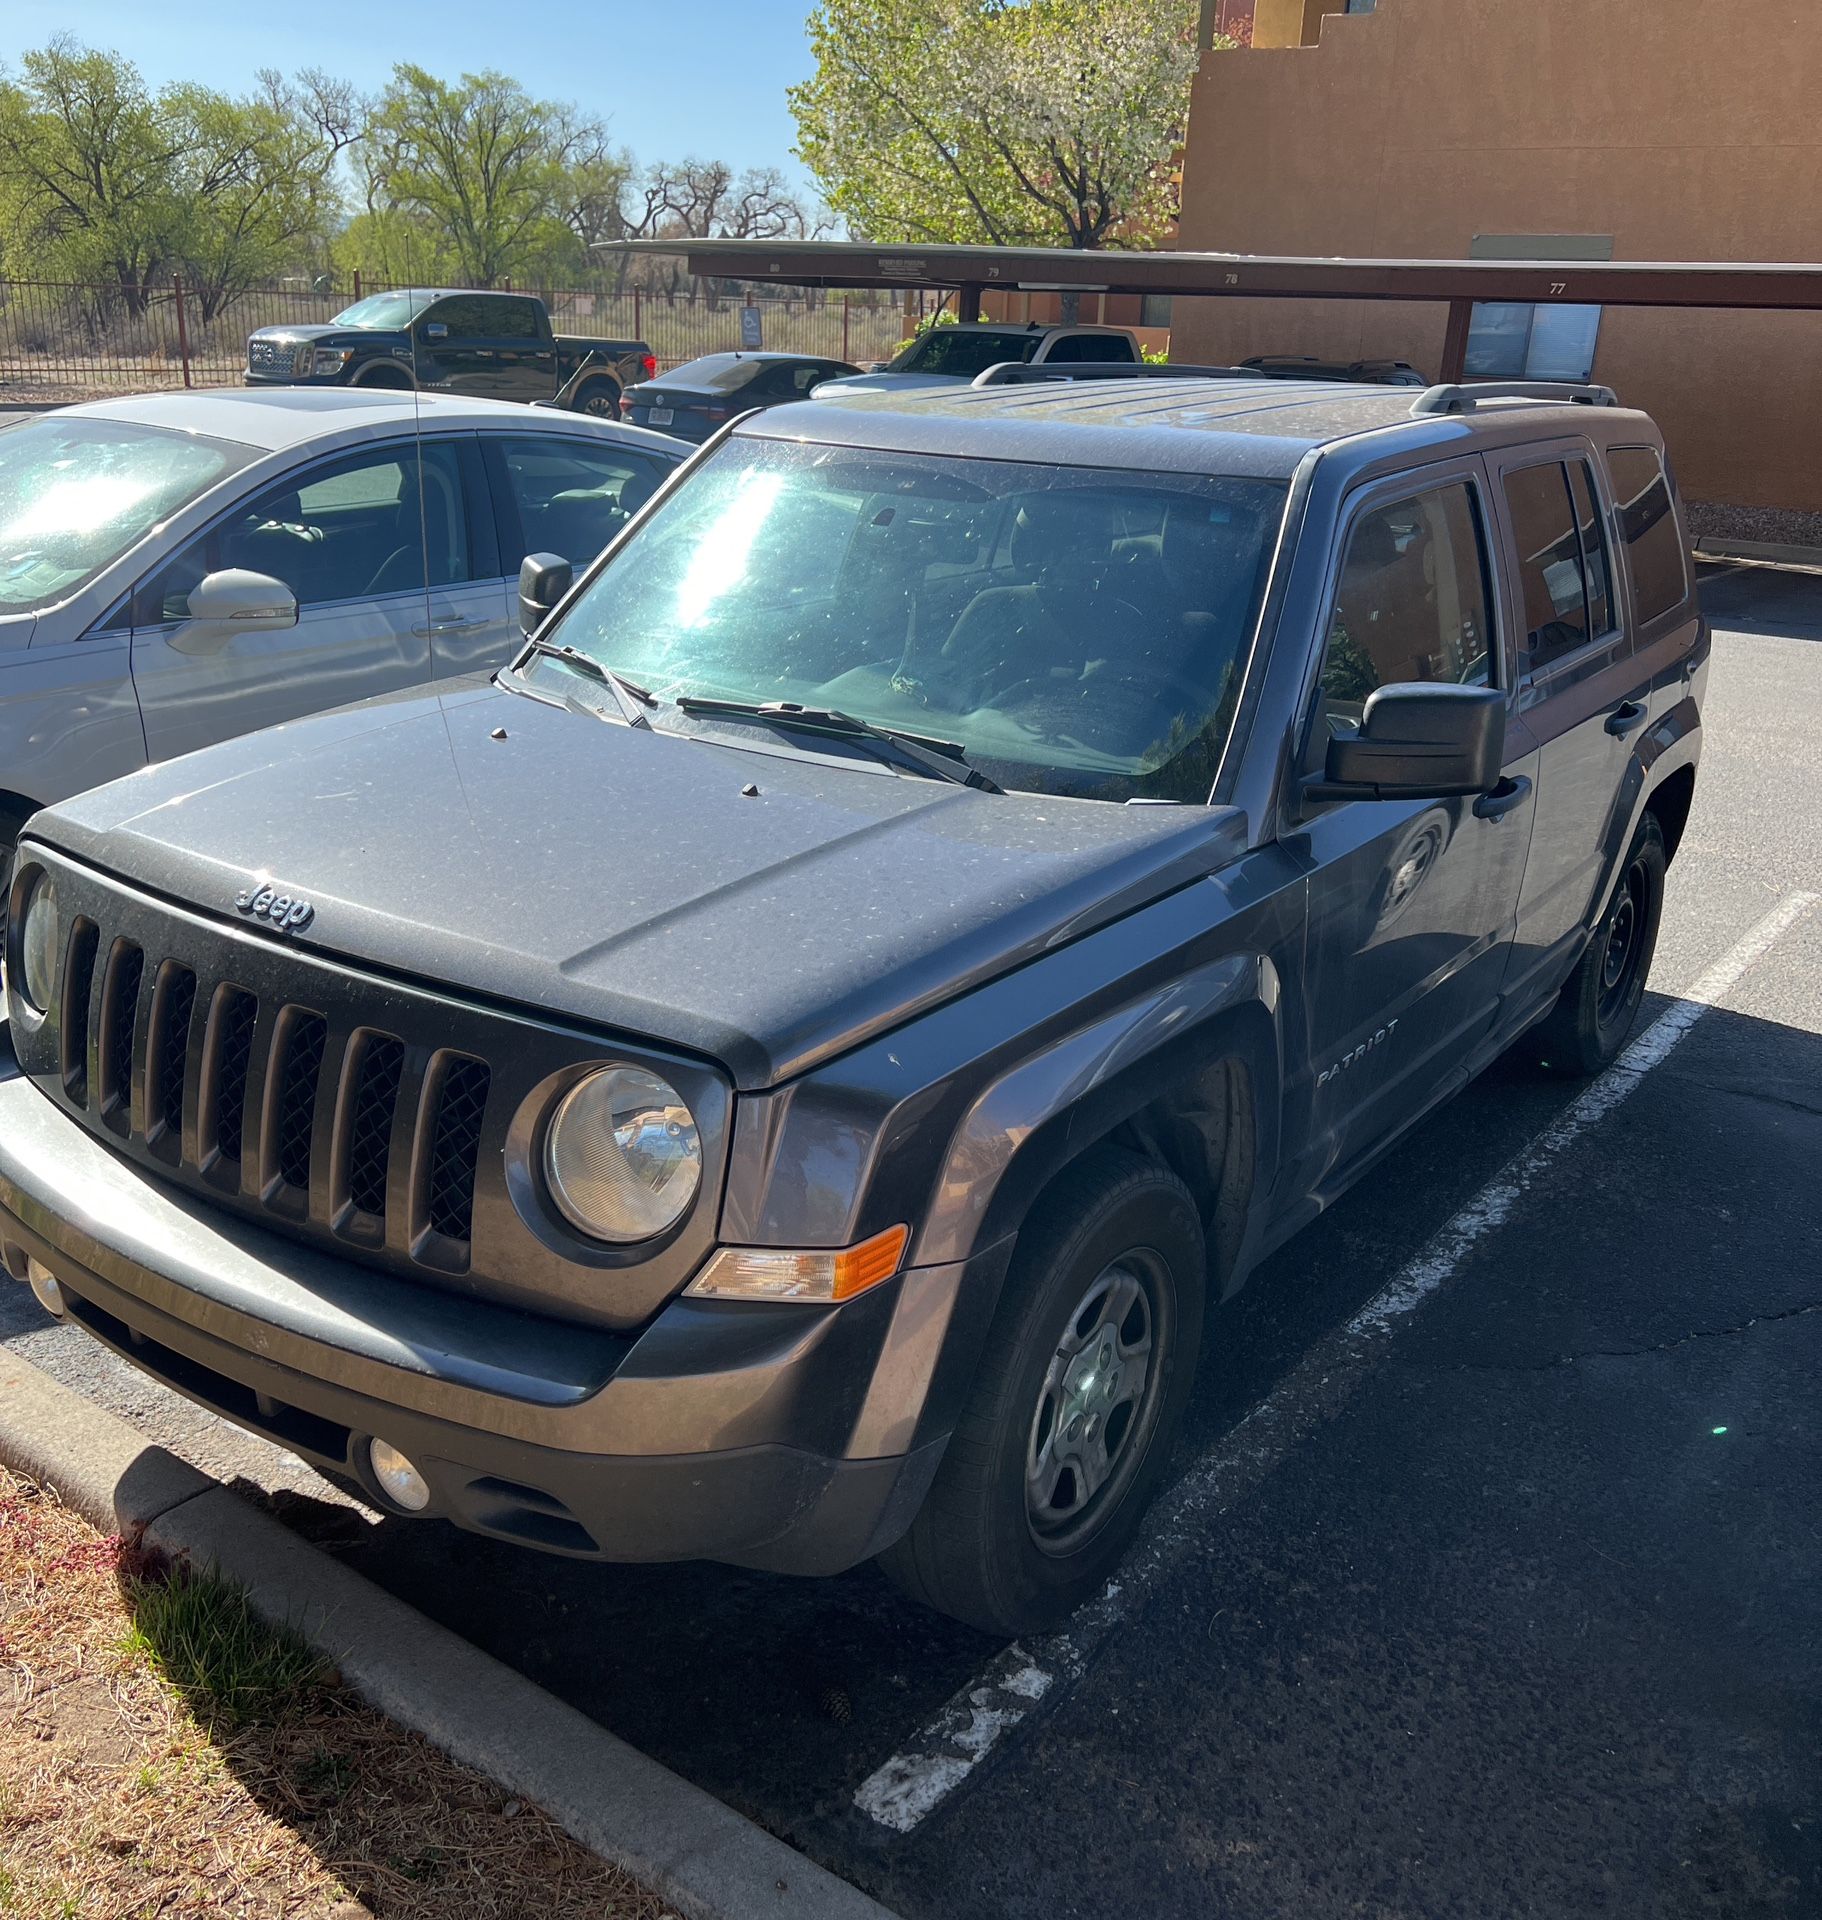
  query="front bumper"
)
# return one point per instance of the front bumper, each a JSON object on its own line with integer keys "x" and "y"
{"x": 798, "y": 1439}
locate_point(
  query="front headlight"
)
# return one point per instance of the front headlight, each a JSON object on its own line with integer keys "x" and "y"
{"x": 623, "y": 1158}
{"x": 39, "y": 946}
{"x": 330, "y": 360}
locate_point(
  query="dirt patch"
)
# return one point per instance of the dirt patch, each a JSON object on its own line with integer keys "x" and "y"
{"x": 162, "y": 1752}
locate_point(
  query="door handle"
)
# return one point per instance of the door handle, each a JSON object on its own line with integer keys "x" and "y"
{"x": 1504, "y": 797}
{"x": 1625, "y": 717}
{"x": 448, "y": 626}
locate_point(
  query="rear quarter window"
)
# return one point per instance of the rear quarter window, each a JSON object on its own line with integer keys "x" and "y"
{"x": 1648, "y": 531}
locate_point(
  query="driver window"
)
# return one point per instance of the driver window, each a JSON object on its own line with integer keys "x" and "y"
{"x": 1412, "y": 604}
{"x": 353, "y": 530}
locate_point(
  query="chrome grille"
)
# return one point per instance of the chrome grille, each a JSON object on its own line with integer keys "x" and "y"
{"x": 275, "y": 356}
{"x": 262, "y": 1129}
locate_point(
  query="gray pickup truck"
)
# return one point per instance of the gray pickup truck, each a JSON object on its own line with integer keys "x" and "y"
{"x": 788, "y": 1072}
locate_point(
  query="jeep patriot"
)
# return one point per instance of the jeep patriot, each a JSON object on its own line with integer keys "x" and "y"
{"x": 788, "y": 1071}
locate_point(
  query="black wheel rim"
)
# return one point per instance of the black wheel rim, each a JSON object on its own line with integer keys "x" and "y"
{"x": 602, "y": 404}
{"x": 1098, "y": 1404}
{"x": 1623, "y": 944}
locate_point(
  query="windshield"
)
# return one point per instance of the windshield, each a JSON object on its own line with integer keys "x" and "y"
{"x": 76, "y": 494}
{"x": 1076, "y": 631}
{"x": 385, "y": 311}
{"x": 718, "y": 372}
{"x": 953, "y": 350}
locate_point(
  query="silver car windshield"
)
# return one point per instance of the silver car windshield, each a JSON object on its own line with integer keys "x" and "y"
{"x": 75, "y": 494}
{"x": 1076, "y": 630}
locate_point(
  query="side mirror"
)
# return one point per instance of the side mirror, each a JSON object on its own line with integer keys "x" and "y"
{"x": 435, "y": 330}
{"x": 1424, "y": 740}
{"x": 543, "y": 580}
{"x": 233, "y": 601}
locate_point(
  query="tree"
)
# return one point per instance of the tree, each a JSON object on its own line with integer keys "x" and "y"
{"x": 109, "y": 185}
{"x": 1041, "y": 122}
{"x": 481, "y": 162}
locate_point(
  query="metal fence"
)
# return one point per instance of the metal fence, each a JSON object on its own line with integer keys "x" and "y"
{"x": 60, "y": 342}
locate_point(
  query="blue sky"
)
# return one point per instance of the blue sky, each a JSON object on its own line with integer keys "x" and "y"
{"x": 702, "y": 76}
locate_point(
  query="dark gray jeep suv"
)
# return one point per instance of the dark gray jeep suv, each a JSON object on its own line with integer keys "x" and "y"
{"x": 786, "y": 1072}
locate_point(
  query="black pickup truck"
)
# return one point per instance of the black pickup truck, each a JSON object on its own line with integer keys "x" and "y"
{"x": 786, "y": 1072}
{"x": 489, "y": 346}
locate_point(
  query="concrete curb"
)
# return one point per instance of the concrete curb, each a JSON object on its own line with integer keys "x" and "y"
{"x": 707, "y": 1860}
{"x": 1770, "y": 552}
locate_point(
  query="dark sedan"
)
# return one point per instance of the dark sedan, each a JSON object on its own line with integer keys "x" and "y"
{"x": 701, "y": 395}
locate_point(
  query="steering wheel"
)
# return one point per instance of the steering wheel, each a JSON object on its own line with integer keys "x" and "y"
{"x": 1154, "y": 684}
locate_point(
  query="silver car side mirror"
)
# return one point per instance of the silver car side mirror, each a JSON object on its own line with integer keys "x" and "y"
{"x": 435, "y": 330}
{"x": 234, "y": 600}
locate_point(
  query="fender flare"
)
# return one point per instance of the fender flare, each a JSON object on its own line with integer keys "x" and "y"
{"x": 1154, "y": 1052}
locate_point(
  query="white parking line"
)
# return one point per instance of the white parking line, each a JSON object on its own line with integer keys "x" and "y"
{"x": 978, "y": 1719}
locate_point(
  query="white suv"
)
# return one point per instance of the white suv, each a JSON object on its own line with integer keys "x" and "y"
{"x": 953, "y": 356}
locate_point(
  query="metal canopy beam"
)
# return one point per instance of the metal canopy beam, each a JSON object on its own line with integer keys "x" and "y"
{"x": 1611, "y": 283}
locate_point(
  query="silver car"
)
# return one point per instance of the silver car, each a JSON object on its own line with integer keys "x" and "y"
{"x": 177, "y": 568}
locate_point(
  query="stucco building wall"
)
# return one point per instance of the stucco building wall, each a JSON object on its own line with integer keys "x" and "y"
{"x": 1682, "y": 129}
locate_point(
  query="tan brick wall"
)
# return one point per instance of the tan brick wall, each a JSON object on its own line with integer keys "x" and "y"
{"x": 1685, "y": 129}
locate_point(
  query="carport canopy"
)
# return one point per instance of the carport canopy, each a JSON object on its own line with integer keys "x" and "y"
{"x": 851, "y": 264}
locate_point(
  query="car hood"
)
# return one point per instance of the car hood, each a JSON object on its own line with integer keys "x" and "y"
{"x": 885, "y": 383}
{"x": 627, "y": 878}
{"x": 290, "y": 336}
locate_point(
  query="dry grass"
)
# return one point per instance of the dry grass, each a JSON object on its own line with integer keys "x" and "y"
{"x": 162, "y": 1753}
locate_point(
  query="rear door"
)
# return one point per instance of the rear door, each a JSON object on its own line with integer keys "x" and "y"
{"x": 348, "y": 535}
{"x": 1581, "y": 692}
{"x": 567, "y": 495}
{"x": 1412, "y": 903}
{"x": 525, "y": 356}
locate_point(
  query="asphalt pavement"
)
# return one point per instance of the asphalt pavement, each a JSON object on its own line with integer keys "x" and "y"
{"x": 1491, "y": 1578}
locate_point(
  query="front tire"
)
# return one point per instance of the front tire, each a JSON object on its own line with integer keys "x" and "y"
{"x": 1595, "y": 1012}
{"x": 387, "y": 379}
{"x": 1081, "y": 1389}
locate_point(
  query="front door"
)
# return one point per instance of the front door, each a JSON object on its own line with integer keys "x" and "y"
{"x": 348, "y": 537}
{"x": 1582, "y": 693}
{"x": 1412, "y": 903}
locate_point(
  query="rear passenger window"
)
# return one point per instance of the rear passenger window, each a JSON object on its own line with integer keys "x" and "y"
{"x": 1562, "y": 558}
{"x": 1077, "y": 347}
{"x": 1412, "y": 603}
{"x": 573, "y": 496}
{"x": 1648, "y": 531}
{"x": 1594, "y": 548}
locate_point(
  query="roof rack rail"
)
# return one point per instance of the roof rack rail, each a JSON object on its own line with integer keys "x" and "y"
{"x": 1465, "y": 398}
{"x": 1020, "y": 373}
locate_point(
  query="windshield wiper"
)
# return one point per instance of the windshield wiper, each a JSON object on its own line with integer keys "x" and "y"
{"x": 937, "y": 759}
{"x": 631, "y": 698}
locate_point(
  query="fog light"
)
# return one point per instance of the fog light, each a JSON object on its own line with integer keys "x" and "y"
{"x": 399, "y": 1480}
{"x": 45, "y": 1290}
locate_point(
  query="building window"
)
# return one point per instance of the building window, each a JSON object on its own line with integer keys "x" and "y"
{"x": 1508, "y": 340}
{"x": 1514, "y": 340}
{"x": 1361, "y": 6}
{"x": 1154, "y": 310}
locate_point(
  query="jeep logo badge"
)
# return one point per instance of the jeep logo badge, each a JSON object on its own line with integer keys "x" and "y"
{"x": 287, "y": 914}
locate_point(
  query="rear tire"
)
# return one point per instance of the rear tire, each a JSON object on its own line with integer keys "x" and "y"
{"x": 598, "y": 398}
{"x": 1595, "y": 1012}
{"x": 1081, "y": 1388}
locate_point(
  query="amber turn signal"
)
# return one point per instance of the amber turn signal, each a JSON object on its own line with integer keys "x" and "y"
{"x": 773, "y": 1273}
